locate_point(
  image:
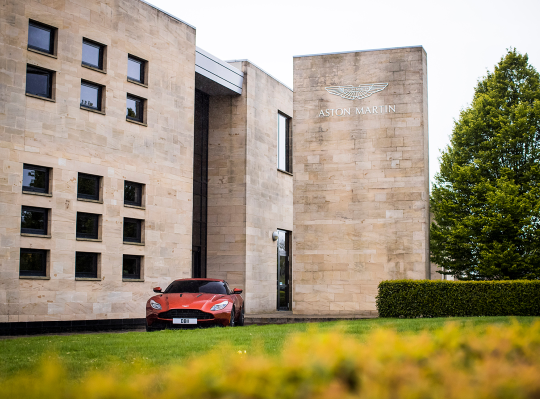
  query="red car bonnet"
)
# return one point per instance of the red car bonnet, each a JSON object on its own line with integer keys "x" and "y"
{"x": 191, "y": 300}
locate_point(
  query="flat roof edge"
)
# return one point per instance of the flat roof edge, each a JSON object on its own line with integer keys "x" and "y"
{"x": 256, "y": 66}
{"x": 219, "y": 61}
{"x": 166, "y": 13}
{"x": 359, "y": 51}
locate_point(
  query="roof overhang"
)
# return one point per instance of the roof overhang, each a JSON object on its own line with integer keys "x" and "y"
{"x": 216, "y": 77}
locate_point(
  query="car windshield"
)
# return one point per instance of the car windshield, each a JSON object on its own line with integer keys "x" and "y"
{"x": 196, "y": 287}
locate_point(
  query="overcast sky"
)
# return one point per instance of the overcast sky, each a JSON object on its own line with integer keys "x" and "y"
{"x": 463, "y": 39}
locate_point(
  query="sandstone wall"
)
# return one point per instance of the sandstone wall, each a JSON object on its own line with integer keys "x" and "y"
{"x": 69, "y": 140}
{"x": 361, "y": 181}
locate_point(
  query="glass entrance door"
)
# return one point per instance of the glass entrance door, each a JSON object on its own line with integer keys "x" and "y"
{"x": 283, "y": 262}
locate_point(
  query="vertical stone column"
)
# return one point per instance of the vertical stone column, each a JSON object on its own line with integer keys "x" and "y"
{"x": 361, "y": 179}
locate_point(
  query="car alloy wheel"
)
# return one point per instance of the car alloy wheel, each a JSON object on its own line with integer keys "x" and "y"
{"x": 231, "y": 322}
{"x": 241, "y": 318}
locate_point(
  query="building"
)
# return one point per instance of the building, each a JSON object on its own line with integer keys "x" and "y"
{"x": 130, "y": 157}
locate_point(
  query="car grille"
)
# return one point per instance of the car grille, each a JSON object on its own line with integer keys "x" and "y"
{"x": 187, "y": 313}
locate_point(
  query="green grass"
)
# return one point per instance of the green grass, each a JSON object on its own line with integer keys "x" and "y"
{"x": 83, "y": 352}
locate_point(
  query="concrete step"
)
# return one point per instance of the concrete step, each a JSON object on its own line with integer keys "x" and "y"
{"x": 287, "y": 317}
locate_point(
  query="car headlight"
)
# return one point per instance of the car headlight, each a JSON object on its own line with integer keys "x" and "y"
{"x": 155, "y": 305}
{"x": 219, "y": 306}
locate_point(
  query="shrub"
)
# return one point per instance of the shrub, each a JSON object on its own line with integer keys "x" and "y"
{"x": 430, "y": 298}
{"x": 453, "y": 362}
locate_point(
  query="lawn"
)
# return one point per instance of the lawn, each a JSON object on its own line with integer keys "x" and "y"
{"x": 83, "y": 352}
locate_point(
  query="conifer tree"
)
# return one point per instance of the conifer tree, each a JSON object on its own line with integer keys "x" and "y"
{"x": 486, "y": 196}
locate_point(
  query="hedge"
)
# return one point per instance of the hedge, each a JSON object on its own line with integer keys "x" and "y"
{"x": 430, "y": 298}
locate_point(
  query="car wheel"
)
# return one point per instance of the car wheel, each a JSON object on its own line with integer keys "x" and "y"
{"x": 148, "y": 329}
{"x": 241, "y": 318}
{"x": 231, "y": 322}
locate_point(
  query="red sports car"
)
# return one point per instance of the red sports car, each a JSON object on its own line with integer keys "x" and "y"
{"x": 195, "y": 303}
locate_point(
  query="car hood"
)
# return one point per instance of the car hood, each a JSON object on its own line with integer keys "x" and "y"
{"x": 191, "y": 300}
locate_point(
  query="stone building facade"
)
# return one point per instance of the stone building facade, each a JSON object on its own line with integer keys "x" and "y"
{"x": 183, "y": 165}
{"x": 361, "y": 187}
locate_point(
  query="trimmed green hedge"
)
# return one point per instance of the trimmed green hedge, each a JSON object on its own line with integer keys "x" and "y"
{"x": 430, "y": 298}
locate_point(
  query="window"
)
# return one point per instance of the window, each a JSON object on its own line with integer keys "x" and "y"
{"x": 88, "y": 187}
{"x": 92, "y": 54}
{"x": 132, "y": 230}
{"x": 86, "y": 265}
{"x": 135, "y": 108}
{"x": 284, "y": 162}
{"x": 87, "y": 226}
{"x": 39, "y": 81}
{"x": 35, "y": 179}
{"x": 33, "y": 262}
{"x": 131, "y": 267}
{"x": 132, "y": 193}
{"x": 34, "y": 220}
{"x": 41, "y": 37}
{"x": 90, "y": 95}
{"x": 136, "y": 69}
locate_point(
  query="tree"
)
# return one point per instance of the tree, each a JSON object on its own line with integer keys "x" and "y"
{"x": 486, "y": 196}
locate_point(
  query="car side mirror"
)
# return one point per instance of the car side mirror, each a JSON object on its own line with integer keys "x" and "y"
{"x": 157, "y": 289}
{"x": 237, "y": 291}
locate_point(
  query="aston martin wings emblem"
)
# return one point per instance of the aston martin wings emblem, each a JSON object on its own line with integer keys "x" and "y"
{"x": 356, "y": 92}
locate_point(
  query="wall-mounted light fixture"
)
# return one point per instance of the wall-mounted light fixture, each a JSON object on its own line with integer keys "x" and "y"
{"x": 275, "y": 236}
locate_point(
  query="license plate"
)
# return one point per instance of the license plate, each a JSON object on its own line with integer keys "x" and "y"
{"x": 184, "y": 321}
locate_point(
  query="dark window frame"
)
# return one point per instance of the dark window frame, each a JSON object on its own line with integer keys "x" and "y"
{"x": 47, "y": 177}
{"x": 288, "y": 144}
{"x": 138, "y": 261}
{"x": 43, "y": 272}
{"x": 101, "y": 56}
{"x": 142, "y": 62}
{"x": 140, "y": 108}
{"x": 94, "y": 273}
{"x": 99, "y": 97}
{"x": 82, "y": 196}
{"x": 138, "y": 238}
{"x": 50, "y": 84}
{"x": 52, "y": 38}
{"x": 31, "y": 231}
{"x": 80, "y": 235}
{"x": 140, "y": 187}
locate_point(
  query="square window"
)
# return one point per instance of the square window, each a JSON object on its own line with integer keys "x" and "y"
{"x": 133, "y": 193}
{"x": 131, "y": 267}
{"x": 86, "y": 265}
{"x": 41, "y": 37}
{"x": 88, "y": 187}
{"x": 34, "y": 220}
{"x": 33, "y": 262}
{"x": 92, "y": 54}
{"x": 87, "y": 226}
{"x": 132, "y": 230}
{"x": 136, "y": 69}
{"x": 35, "y": 179}
{"x": 39, "y": 81}
{"x": 91, "y": 95}
{"x": 135, "y": 108}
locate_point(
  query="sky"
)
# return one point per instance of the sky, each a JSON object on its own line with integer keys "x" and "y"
{"x": 463, "y": 39}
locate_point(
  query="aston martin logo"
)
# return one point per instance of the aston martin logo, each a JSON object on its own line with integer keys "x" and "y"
{"x": 356, "y": 92}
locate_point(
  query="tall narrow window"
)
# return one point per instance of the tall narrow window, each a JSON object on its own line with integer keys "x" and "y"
{"x": 136, "y": 69}
{"x": 34, "y": 220}
{"x": 35, "y": 179}
{"x": 131, "y": 267}
{"x": 33, "y": 262}
{"x": 91, "y": 95}
{"x": 284, "y": 162}
{"x": 41, "y": 37}
{"x": 87, "y": 226}
{"x": 86, "y": 265}
{"x": 135, "y": 108}
{"x": 88, "y": 187}
{"x": 92, "y": 54}
{"x": 132, "y": 193}
{"x": 283, "y": 270}
{"x": 132, "y": 230}
{"x": 39, "y": 81}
